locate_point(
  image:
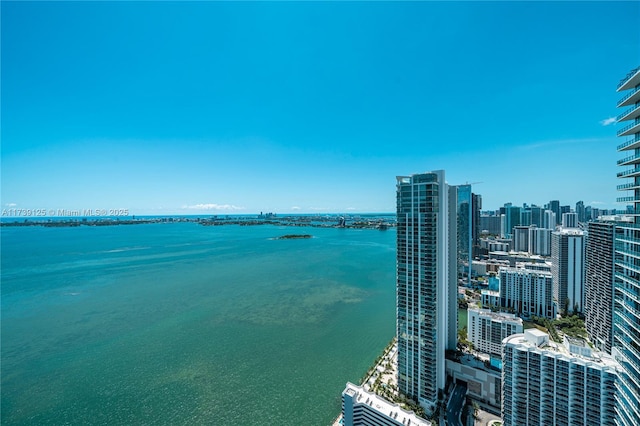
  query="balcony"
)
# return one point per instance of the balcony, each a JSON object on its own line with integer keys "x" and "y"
{"x": 630, "y": 81}
{"x": 630, "y": 98}
{"x": 629, "y": 130}
{"x": 632, "y": 159}
{"x": 628, "y": 186}
{"x": 630, "y": 144}
{"x": 627, "y": 200}
{"x": 629, "y": 114}
{"x": 630, "y": 173}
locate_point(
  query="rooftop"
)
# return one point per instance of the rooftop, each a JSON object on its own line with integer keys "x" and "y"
{"x": 498, "y": 316}
{"x": 535, "y": 340}
{"x": 389, "y": 409}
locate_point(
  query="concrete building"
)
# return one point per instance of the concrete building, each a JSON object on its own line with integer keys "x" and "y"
{"x": 464, "y": 222}
{"x": 549, "y": 220}
{"x": 527, "y": 292}
{"x": 554, "y": 206}
{"x": 362, "y": 408}
{"x": 426, "y": 284}
{"x": 599, "y": 260}
{"x": 569, "y": 220}
{"x": 567, "y": 260}
{"x": 520, "y": 238}
{"x": 490, "y": 224}
{"x": 626, "y": 313}
{"x": 581, "y": 212}
{"x": 486, "y": 329}
{"x": 539, "y": 241}
{"x": 544, "y": 383}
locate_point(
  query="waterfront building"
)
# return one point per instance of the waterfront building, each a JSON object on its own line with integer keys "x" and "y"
{"x": 527, "y": 292}
{"x": 569, "y": 220}
{"x": 486, "y": 329}
{"x": 362, "y": 408}
{"x": 426, "y": 284}
{"x": 626, "y": 310}
{"x": 567, "y": 260}
{"x": 540, "y": 241}
{"x": 546, "y": 383}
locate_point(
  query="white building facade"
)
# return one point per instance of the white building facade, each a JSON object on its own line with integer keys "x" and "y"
{"x": 486, "y": 329}
{"x": 545, "y": 384}
{"x": 527, "y": 292}
{"x": 362, "y": 408}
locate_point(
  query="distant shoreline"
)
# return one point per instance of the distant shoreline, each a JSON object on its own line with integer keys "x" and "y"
{"x": 381, "y": 222}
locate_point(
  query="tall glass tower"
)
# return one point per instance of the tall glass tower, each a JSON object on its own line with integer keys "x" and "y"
{"x": 626, "y": 308}
{"x": 426, "y": 284}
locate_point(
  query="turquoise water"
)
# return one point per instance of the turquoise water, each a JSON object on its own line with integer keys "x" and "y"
{"x": 185, "y": 324}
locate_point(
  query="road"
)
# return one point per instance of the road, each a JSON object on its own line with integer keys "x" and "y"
{"x": 455, "y": 405}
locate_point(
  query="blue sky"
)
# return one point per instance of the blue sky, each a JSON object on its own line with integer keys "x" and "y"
{"x": 238, "y": 107}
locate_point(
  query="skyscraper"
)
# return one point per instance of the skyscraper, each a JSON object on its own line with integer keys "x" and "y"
{"x": 464, "y": 230}
{"x": 599, "y": 279}
{"x": 567, "y": 268}
{"x": 626, "y": 309}
{"x": 554, "y": 206}
{"x": 426, "y": 284}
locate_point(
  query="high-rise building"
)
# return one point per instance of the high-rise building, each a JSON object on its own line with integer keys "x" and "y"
{"x": 527, "y": 291}
{"x": 464, "y": 230}
{"x": 487, "y": 329}
{"x": 599, "y": 260}
{"x": 525, "y": 217}
{"x": 626, "y": 308}
{"x": 537, "y": 216}
{"x": 580, "y": 211}
{"x": 567, "y": 260}
{"x": 546, "y": 383}
{"x": 476, "y": 206}
{"x": 520, "y": 238}
{"x": 426, "y": 289}
{"x": 490, "y": 224}
{"x": 554, "y": 206}
{"x": 512, "y": 218}
{"x": 569, "y": 220}
{"x": 540, "y": 241}
{"x": 549, "y": 220}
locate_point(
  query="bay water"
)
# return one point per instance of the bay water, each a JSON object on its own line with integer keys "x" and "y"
{"x": 183, "y": 324}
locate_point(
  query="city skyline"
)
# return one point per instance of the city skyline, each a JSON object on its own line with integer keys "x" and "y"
{"x": 237, "y": 108}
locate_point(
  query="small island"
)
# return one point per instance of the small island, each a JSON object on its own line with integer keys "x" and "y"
{"x": 294, "y": 237}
